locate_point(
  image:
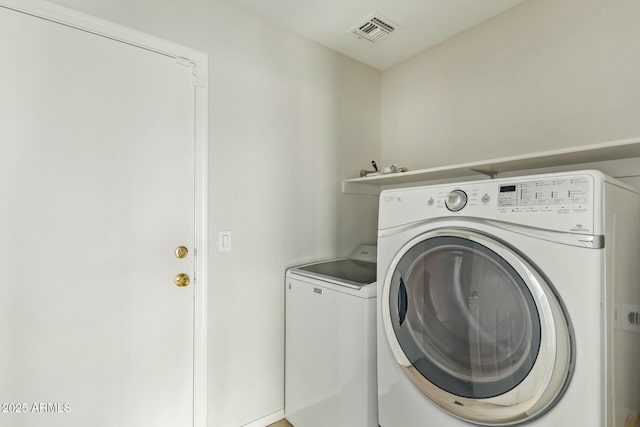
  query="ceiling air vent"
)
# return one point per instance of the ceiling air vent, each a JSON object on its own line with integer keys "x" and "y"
{"x": 374, "y": 28}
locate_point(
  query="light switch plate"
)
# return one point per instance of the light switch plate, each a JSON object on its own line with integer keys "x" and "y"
{"x": 224, "y": 241}
{"x": 628, "y": 317}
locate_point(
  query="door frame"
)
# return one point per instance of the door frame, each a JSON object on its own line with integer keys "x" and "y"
{"x": 198, "y": 62}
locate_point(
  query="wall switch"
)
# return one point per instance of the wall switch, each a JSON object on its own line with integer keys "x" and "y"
{"x": 224, "y": 241}
{"x": 627, "y": 317}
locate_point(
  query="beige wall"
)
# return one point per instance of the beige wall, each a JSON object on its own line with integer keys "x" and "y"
{"x": 546, "y": 74}
{"x": 288, "y": 121}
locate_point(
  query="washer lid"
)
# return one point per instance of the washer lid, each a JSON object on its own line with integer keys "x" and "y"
{"x": 351, "y": 272}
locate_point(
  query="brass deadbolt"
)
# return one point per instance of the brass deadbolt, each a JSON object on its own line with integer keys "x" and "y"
{"x": 181, "y": 252}
{"x": 182, "y": 280}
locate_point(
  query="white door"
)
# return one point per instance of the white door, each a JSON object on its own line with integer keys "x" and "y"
{"x": 97, "y": 191}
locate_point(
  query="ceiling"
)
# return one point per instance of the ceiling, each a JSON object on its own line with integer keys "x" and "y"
{"x": 420, "y": 23}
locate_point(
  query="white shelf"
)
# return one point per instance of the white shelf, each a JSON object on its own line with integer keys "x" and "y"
{"x": 614, "y": 150}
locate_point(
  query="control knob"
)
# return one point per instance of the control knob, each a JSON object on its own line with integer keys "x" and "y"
{"x": 456, "y": 200}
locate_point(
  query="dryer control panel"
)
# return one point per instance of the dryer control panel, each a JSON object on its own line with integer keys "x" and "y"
{"x": 548, "y": 192}
{"x": 562, "y": 202}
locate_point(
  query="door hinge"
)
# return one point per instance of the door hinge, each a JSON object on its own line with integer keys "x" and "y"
{"x": 198, "y": 80}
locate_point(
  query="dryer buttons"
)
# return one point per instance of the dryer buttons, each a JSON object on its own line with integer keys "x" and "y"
{"x": 456, "y": 200}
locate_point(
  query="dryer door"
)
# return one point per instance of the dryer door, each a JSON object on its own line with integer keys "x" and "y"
{"x": 476, "y": 327}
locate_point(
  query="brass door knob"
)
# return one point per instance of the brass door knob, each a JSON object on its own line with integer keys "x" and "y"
{"x": 181, "y": 252}
{"x": 182, "y": 280}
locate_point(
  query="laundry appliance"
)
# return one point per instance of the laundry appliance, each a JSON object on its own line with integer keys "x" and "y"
{"x": 509, "y": 301}
{"x": 330, "y": 342}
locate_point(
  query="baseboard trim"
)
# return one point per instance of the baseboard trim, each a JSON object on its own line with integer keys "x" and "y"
{"x": 267, "y": 419}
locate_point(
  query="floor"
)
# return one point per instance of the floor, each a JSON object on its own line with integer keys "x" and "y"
{"x": 281, "y": 423}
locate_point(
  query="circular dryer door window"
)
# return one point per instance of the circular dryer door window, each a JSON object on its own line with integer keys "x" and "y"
{"x": 476, "y": 327}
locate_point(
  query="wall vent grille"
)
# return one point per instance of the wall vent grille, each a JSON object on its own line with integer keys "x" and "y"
{"x": 374, "y": 28}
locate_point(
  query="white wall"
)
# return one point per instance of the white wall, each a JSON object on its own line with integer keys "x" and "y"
{"x": 544, "y": 75}
{"x": 288, "y": 121}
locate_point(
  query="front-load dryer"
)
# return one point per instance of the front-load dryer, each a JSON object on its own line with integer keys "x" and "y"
{"x": 510, "y": 301}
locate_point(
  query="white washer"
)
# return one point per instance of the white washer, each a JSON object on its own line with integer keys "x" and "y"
{"x": 330, "y": 350}
{"x": 508, "y": 301}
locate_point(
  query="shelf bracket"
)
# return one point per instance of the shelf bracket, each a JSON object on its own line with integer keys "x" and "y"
{"x": 490, "y": 174}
